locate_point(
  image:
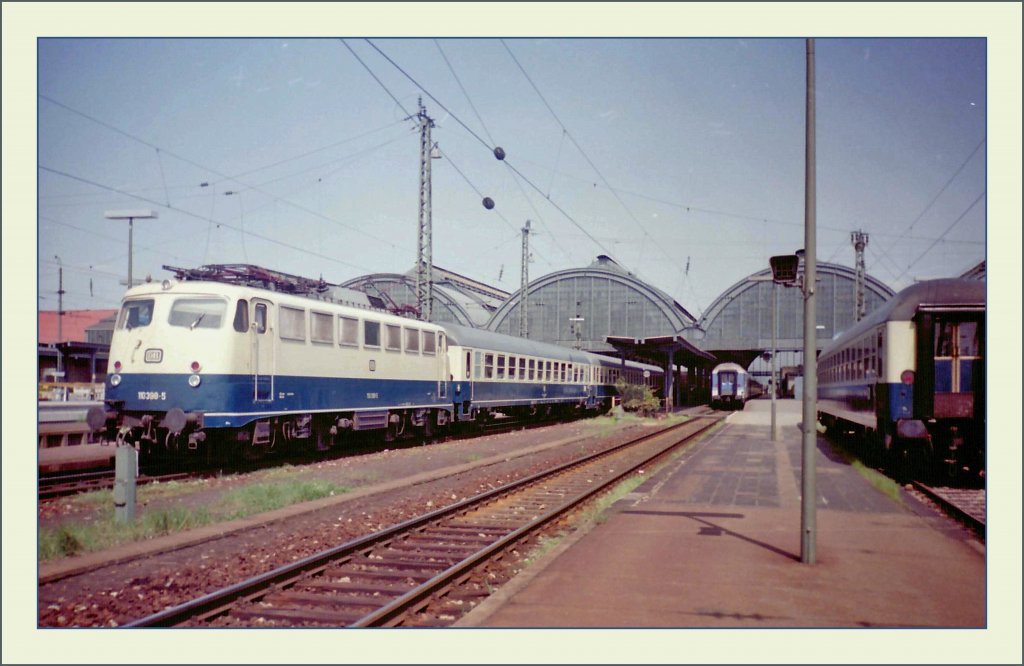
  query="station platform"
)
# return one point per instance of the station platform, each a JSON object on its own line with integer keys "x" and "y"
{"x": 712, "y": 540}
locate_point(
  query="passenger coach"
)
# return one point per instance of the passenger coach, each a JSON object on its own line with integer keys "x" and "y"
{"x": 910, "y": 378}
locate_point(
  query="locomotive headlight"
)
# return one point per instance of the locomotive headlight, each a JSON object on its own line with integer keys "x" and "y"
{"x": 115, "y": 380}
{"x": 907, "y": 377}
{"x": 194, "y": 380}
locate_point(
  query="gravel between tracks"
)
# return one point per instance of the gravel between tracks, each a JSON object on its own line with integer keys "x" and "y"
{"x": 391, "y": 486}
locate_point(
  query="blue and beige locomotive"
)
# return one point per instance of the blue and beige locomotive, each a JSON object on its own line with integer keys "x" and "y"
{"x": 234, "y": 360}
{"x": 909, "y": 379}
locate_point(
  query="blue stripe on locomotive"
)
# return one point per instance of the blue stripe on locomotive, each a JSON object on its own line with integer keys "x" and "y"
{"x": 231, "y": 397}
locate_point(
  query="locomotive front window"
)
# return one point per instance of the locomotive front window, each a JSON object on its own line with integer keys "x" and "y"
{"x": 195, "y": 313}
{"x": 135, "y": 314}
{"x": 241, "y": 322}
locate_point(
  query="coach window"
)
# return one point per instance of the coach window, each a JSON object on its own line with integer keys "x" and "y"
{"x": 412, "y": 340}
{"x": 477, "y": 365}
{"x": 488, "y": 366}
{"x": 393, "y": 337}
{"x": 241, "y": 323}
{"x": 348, "y": 331}
{"x": 501, "y": 366}
{"x": 430, "y": 344}
{"x": 530, "y": 367}
{"x": 522, "y": 369}
{"x": 371, "y": 334}
{"x": 321, "y": 327}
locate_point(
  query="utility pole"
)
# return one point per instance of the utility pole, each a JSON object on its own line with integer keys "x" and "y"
{"x": 860, "y": 241}
{"x": 525, "y": 281}
{"x": 60, "y": 318}
{"x": 424, "y": 245}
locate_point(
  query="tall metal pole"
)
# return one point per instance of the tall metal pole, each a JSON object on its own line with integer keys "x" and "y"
{"x": 524, "y": 282}
{"x": 773, "y": 384}
{"x": 424, "y": 245}
{"x": 808, "y": 526}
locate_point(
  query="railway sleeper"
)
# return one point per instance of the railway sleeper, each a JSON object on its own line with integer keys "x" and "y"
{"x": 369, "y": 600}
{"x": 292, "y": 616}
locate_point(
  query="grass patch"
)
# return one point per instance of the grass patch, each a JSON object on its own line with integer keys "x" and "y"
{"x": 105, "y": 531}
{"x": 878, "y": 481}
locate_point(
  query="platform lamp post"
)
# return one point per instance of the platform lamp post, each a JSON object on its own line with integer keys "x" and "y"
{"x": 131, "y": 216}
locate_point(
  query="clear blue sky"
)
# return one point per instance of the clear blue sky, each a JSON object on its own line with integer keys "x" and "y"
{"x": 681, "y": 158}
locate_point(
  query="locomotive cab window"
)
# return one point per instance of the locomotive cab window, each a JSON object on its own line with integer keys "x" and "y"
{"x": 135, "y": 314}
{"x": 241, "y": 323}
{"x": 195, "y": 313}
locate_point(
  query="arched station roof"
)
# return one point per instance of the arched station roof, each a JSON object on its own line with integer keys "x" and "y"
{"x": 457, "y": 299}
{"x": 738, "y": 324}
{"x": 582, "y": 307}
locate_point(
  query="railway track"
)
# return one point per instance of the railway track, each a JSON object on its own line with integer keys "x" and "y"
{"x": 61, "y": 485}
{"x": 422, "y": 572}
{"x": 966, "y": 505}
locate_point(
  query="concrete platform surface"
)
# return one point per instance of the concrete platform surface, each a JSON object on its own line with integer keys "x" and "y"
{"x": 713, "y": 541}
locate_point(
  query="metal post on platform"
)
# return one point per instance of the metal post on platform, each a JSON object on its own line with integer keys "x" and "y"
{"x": 125, "y": 472}
{"x": 773, "y": 384}
{"x": 808, "y": 520}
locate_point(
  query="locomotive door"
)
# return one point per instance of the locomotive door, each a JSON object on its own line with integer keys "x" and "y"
{"x": 444, "y": 371}
{"x": 262, "y": 350}
{"x": 958, "y": 366}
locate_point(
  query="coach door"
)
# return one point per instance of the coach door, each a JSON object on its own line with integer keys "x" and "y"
{"x": 959, "y": 364}
{"x": 262, "y": 350}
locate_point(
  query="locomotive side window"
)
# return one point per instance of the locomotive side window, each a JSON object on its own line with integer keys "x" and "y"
{"x": 135, "y": 314}
{"x": 348, "y": 331}
{"x": 371, "y": 334}
{"x": 430, "y": 344}
{"x": 412, "y": 340}
{"x": 321, "y": 327}
{"x": 394, "y": 337}
{"x": 260, "y": 318}
{"x": 195, "y": 313}
{"x": 241, "y": 322}
{"x": 293, "y": 323}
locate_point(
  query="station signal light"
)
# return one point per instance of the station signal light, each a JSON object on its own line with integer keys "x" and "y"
{"x": 785, "y": 268}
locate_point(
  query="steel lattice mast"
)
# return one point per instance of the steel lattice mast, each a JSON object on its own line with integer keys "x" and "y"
{"x": 860, "y": 241}
{"x": 424, "y": 245}
{"x": 525, "y": 280}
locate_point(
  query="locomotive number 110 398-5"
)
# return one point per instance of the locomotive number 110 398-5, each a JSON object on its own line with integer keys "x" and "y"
{"x": 152, "y": 395}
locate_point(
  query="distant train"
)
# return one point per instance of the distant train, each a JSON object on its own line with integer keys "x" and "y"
{"x": 239, "y": 367}
{"x": 910, "y": 379}
{"x": 730, "y": 386}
